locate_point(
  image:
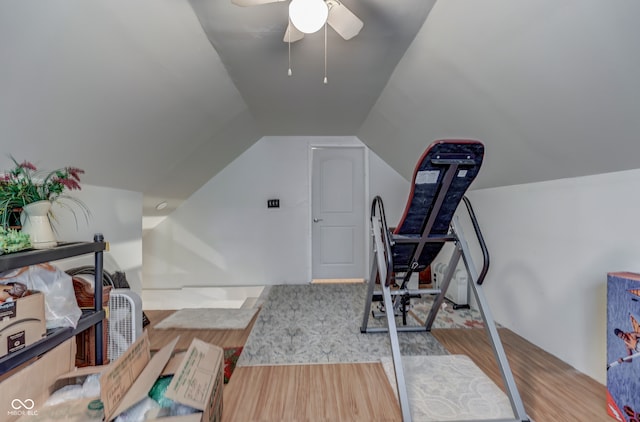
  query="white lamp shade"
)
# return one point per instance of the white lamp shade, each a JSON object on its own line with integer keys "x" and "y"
{"x": 308, "y": 16}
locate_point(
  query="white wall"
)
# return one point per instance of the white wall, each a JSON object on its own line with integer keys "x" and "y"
{"x": 390, "y": 186}
{"x": 224, "y": 234}
{"x": 115, "y": 213}
{"x": 552, "y": 245}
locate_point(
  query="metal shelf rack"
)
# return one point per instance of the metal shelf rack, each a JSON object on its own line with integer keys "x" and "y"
{"x": 88, "y": 319}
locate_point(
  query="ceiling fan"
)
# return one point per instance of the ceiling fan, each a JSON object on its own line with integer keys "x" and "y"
{"x": 337, "y": 15}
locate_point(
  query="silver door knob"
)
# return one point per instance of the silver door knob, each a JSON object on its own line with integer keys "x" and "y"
{"x": 315, "y": 220}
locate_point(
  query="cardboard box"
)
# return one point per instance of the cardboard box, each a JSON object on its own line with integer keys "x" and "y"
{"x": 623, "y": 346}
{"x": 197, "y": 382}
{"x": 22, "y": 322}
{"x": 24, "y": 392}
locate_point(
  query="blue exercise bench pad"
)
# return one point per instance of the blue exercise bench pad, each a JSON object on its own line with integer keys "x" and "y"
{"x": 426, "y": 185}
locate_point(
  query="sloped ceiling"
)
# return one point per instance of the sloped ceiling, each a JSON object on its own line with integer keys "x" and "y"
{"x": 552, "y": 88}
{"x": 250, "y": 43}
{"x": 130, "y": 91}
{"x": 158, "y": 96}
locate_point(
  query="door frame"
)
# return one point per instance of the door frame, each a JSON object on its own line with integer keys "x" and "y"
{"x": 365, "y": 198}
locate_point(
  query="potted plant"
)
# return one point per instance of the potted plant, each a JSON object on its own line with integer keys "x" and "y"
{"x": 34, "y": 192}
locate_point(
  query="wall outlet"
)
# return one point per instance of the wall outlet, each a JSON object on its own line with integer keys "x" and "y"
{"x": 273, "y": 203}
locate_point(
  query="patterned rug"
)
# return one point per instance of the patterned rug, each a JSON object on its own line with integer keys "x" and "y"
{"x": 447, "y": 317}
{"x": 320, "y": 323}
{"x": 449, "y": 388}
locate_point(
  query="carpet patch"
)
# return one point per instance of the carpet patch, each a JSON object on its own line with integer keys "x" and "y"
{"x": 208, "y": 319}
{"x": 449, "y": 388}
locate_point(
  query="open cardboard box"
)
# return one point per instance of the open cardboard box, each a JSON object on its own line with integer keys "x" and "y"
{"x": 198, "y": 382}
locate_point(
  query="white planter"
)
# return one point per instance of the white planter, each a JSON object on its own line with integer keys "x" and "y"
{"x": 36, "y": 223}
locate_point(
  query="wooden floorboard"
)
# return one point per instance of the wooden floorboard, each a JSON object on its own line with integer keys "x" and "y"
{"x": 310, "y": 393}
{"x": 551, "y": 390}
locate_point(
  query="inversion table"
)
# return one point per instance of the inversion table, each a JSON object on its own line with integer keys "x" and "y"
{"x": 440, "y": 180}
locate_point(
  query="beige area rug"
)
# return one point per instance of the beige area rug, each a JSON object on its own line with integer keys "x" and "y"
{"x": 208, "y": 319}
{"x": 449, "y": 388}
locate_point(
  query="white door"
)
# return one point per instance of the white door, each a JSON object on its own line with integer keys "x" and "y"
{"x": 338, "y": 213}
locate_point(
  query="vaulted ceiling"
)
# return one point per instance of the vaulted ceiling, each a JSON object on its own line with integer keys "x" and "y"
{"x": 249, "y": 41}
{"x": 158, "y": 96}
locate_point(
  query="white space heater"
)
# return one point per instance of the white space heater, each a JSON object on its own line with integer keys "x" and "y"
{"x": 458, "y": 291}
{"x": 125, "y": 321}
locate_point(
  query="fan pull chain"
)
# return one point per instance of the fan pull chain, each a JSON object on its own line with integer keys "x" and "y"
{"x": 325, "y": 54}
{"x": 289, "y": 43}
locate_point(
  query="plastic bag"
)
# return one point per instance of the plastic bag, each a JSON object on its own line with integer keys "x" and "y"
{"x": 89, "y": 388}
{"x": 139, "y": 411}
{"x": 60, "y": 305}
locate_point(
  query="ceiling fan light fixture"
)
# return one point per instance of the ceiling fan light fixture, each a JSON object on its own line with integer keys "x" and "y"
{"x": 308, "y": 16}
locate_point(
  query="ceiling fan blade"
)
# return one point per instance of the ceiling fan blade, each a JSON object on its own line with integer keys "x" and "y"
{"x": 342, "y": 20}
{"x": 296, "y": 35}
{"x": 244, "y": 3}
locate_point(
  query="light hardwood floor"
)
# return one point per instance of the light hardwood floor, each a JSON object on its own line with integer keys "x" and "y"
{"x": 551, "y": 390}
